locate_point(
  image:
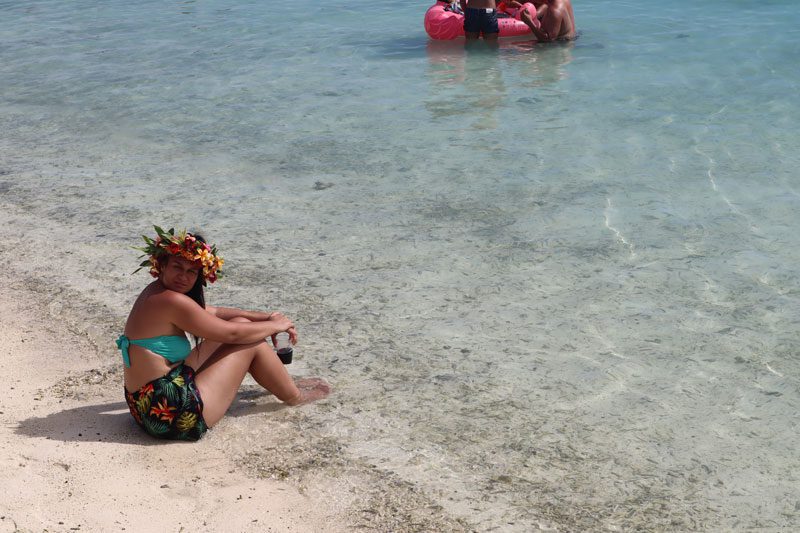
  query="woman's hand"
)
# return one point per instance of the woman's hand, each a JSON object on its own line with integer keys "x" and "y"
{"x": 281, "y": 322}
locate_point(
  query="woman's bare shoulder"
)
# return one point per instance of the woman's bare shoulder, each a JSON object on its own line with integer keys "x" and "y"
{"x": 154, "y": 298}
{"x": 155, "y": 307}
{"x": 168, "y": 297}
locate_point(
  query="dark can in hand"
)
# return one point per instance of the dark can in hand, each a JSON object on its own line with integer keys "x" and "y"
{"x": 283, "y": 347}
{"x": 285, "y": 355}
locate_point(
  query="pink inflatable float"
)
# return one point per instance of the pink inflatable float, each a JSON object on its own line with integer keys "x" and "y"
{"x": 443, "y": 24}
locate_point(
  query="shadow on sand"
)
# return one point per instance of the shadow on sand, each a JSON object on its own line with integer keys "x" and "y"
{"x": 112, "y": 422}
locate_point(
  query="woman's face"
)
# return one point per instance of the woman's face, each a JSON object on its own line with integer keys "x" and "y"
{"x": 179, "y": 274}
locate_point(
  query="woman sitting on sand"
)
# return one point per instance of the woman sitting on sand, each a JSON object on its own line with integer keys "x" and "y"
{"x": 175, "y": 391}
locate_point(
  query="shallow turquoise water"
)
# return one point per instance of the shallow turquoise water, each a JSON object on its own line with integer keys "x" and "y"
{"x": 552, "y": 284}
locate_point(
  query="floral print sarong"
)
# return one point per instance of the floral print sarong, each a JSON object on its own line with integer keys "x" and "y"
{"x": 169, "y": 407}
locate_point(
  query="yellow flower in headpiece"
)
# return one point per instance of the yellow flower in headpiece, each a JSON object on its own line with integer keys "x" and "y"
{"x": 205, "y": 256}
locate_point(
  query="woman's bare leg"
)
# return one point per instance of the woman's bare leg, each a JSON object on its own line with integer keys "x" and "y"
{"x": 222, "y": 367}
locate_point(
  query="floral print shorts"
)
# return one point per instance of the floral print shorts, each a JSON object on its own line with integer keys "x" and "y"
{"x": 169, "y": 407}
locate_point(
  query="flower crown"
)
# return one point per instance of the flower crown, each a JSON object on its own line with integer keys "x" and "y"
{"x": 185, "y": 245}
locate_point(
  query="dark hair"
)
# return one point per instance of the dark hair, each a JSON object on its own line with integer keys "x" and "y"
{"x": 196, "y": 292}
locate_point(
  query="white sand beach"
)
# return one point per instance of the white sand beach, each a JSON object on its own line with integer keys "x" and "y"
{"x": 73, "y": 460}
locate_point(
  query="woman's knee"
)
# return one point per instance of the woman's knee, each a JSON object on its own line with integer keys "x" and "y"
{"x": 239, "y": 319}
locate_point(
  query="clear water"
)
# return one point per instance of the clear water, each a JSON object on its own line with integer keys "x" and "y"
{"x": 553, "y": 286}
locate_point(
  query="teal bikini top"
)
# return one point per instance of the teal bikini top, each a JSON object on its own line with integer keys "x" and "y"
{"x": 173, "y": 348}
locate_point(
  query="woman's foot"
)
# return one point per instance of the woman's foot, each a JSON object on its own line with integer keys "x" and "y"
{"x": 311, "y": 390}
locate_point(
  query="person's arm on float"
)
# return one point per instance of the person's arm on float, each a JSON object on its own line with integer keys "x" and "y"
{"x": 535, "y": 26}
{"x": 541, "y": 35}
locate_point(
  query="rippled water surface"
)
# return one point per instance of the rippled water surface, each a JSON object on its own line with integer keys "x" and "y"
{"x": 553, "y": 285}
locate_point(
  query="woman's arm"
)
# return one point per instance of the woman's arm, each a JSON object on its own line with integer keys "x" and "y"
{"x": 188, "y": 316}
{"x": 227, "y": 313}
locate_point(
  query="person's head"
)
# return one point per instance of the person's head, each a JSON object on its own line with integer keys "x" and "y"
{"x": 182, "y": 262}
{"x": 181, "y": 275}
